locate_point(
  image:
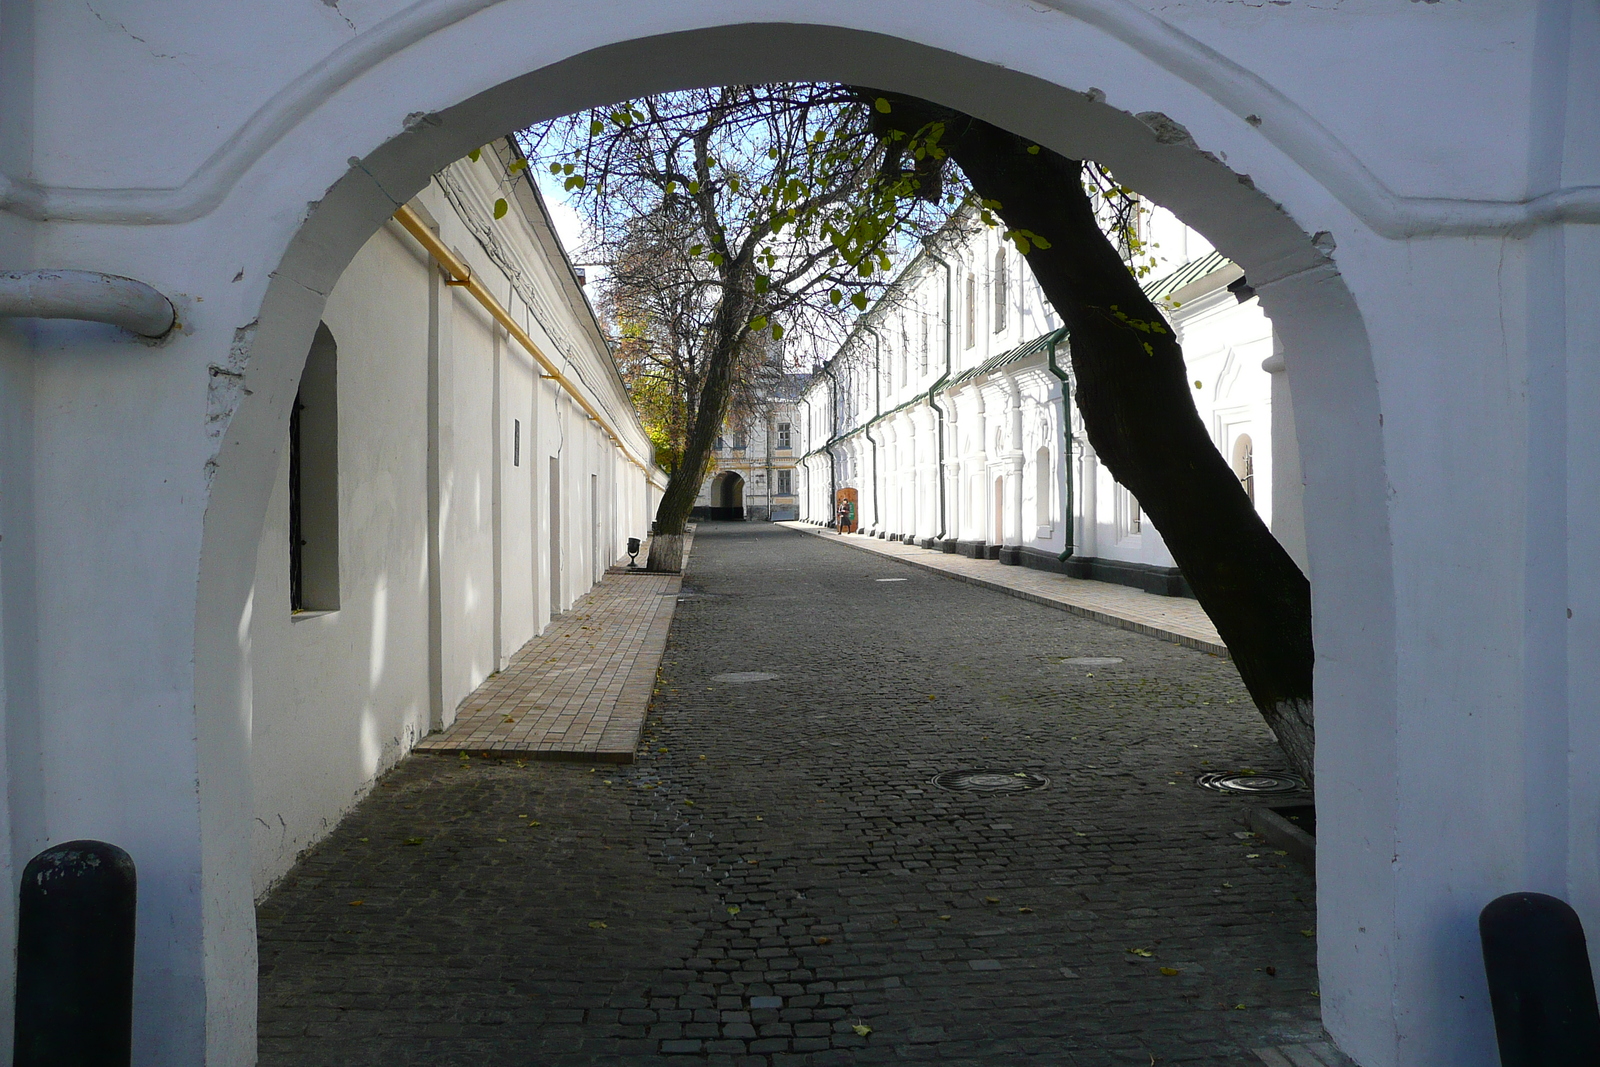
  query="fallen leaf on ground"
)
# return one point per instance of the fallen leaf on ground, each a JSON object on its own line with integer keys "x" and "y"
{"x": 1169, "y": 971}
{"x": 823, "y": 940}
{"x": 501, "y": 840}
{"x": 1238, "y": 1007}
{"x": 861, "y": 1029}
{"x": 1026, "y": 911}
{"x": 1252, "y": 855}
{"x": 991, "y": 900}
{"x": 733, "y": 909}
{"x": 1308, "y": 933}
{"x": 944, "y": 918}
{"x": 689, "y": 802}
{"x": 1141, "y": 952}
{"x": 597, "y": 925}
{"x": 412, "y": 841}
{"x": 356, "y": 903}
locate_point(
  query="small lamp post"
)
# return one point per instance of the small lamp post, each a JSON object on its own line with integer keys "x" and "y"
{"x": 633, "y": 551}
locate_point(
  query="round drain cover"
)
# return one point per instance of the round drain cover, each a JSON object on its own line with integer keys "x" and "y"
{"x": 1259, "y": 784}
{"x": 990, "y": 781}
{"x": 1093, "y": 661}
{"x": 744, "y": 676}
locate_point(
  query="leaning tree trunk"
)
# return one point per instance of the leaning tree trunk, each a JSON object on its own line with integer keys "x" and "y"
{"x": 683, "y": 485}
{"x": 1138, "y": 410}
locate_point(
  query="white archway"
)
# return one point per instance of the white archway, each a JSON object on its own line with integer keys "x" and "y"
{"x": 1305, "y": 295}
{"x": 1449, "y": 766}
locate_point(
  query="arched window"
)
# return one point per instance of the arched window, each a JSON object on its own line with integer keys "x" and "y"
{"x": 314, "y": 480}
{"x": 1244, "y": 465}
{"x": 972, "y": 309}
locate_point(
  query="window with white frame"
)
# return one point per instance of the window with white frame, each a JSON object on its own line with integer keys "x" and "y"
{"x": 785, "y": 437}
{"x": 971, "y": 309}
{"x": 1002, "y": 289}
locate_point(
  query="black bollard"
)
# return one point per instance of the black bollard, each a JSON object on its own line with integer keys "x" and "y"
{"x": 1540, "y": 984}
{"x": 75, "y": 958}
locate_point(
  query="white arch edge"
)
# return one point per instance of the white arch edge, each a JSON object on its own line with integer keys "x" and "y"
{"x": 1283, "y": 123}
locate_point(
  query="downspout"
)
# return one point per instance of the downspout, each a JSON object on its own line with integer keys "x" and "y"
{"x": 877, "y": 409}
{"x": 949, "y": 344}
{"x": 833, "y": 435}
{"x": 86, "y": 295}
{"x": 1066, "y": 455}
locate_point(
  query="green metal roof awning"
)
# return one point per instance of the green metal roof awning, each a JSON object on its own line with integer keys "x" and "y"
{"x": 1035, "y": 347}
{"x": 1190, "y": 272}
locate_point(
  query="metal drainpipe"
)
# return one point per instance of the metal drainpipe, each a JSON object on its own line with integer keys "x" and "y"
{"x": 949, "y": 344}
{"x": 877, "y": 410}
{"x": 1066, "y": 455}
{"x": 89, "y": 296}
{"x": 833, "y": 436}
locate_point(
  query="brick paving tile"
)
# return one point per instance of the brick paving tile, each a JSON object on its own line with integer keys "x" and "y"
{"x": 581, "y": 689}
{"x": 777, "y": 882}
{"x": 1176, "y": 619}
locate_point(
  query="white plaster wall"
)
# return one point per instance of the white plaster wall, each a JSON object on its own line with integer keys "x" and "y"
{"x": 1455, "y": 743}
{"x": 340, "y": 696}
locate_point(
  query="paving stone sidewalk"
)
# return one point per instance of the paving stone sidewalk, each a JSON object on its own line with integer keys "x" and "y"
{"x": 778, "y": 882}
{"x": 580, "y": 690}
{"x": 1177, "y": 619}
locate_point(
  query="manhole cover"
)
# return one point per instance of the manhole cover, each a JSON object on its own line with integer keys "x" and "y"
{"x": 744, "y": 676}
{"x": 1258, "y": 784}
{"x": 1093, "y": 661}
{"x": 990, "y": 781}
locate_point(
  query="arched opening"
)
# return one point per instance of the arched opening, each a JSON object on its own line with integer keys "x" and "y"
{"x": 728, "y": 491}
{"x": 461, "y": 110}
{"x": 1244, "y": 465}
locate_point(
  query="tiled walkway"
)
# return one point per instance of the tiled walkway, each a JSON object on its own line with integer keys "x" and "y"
{"x": 1176, "y": 619}
{"x": 580, "y": 690}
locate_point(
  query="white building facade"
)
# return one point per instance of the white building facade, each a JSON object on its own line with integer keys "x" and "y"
{"x": 754, "y": 471}
{"x": 1413, "y": 191}
{"x": 946, "y": 419}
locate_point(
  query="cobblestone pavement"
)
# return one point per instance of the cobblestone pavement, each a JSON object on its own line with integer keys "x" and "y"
{"x": 776, "y": 881}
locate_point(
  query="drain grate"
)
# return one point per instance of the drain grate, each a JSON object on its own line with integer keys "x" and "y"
{"x": 990, "y": 781}
{"x": 1267, "y": 784}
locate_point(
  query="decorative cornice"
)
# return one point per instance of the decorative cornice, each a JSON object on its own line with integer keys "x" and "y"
{"x": 1274, "y": 116}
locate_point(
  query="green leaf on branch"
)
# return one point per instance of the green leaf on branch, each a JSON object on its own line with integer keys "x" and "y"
{"x": 835, "y": 297}
{"x": 882, "y": 105}
{"x": 475, "y": 154}
{"x": 501, "y": 207}
{"x": 777, "y": 332}
{"x": 758, "y": 323}
{"x": 860, "y": 301}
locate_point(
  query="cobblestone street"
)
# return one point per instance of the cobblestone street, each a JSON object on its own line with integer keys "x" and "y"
{"x": 777, "y": 882}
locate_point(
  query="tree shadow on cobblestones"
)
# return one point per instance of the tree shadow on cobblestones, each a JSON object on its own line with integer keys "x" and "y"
{"x": 779, "y": 882}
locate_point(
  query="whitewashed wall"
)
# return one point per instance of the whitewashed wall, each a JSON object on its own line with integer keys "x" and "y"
{"x": 1427, "y": 290}
{"x": 339, "y": 696}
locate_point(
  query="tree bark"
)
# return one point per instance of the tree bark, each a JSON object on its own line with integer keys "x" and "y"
{"x": 1133, "y": 390}
{"x": 683, "y": 485}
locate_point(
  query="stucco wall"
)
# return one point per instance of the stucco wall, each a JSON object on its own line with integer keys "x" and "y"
{"x": 338, "y": 696}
